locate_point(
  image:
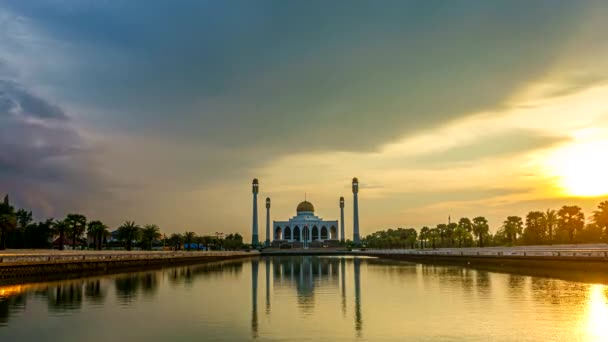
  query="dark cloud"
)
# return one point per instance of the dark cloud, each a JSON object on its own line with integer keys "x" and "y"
{"x": 44, "y": 163}
{"x": 289, "y": 77}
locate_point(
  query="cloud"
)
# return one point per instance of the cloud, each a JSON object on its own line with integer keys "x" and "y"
{"x": 504, "y": 144}
{"x": 44, "y": 162}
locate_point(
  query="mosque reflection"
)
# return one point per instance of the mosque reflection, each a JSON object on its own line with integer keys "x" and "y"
{"x": 304, "y": 274}
{"x": 318, "y": 285}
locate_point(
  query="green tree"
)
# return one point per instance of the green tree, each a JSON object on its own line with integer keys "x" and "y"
{"x": 600, "y": 218}
{"x": 570, "y": 220}
{"x": 97, "y": 230}
{"x": 513, "y": 227}
{"x": 461, "y": 235}
{"x": 535, "y": 231}
{"x": 77, "y": 224}
{"x": 449, "y": 232}
{"x": 550, "y": 223}
{"x": 466, "y": 223}
{"x": 423, "y": 236}
{"x": 233, "y": 241}
{"x": 149, "y": 233}
{"x": 176, "y": 240}
{"x": 433, "y": 235}
{"x": 8, "y": 221}
{"x": 188, "y": 239}
{"x": 442, "y": 231}
{"x": 128, "y": 233}
{"x": 480, "y": 228}
{"x": 207, "y": 241}
{"x": 24, "y": 220}
{"x": 60, "y": 229}
{"x": 590, "y": 233}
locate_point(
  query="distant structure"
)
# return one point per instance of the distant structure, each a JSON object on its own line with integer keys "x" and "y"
{"x": 342, "y": 219}
{"x": 254, "y": 236}
{"x": 305, "y": 229}
{"x": 267, "y": 221}
{"x": 356, "y": 237}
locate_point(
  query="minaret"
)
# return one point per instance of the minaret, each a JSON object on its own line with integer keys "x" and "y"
{"x": 356, "y": 237}
{"x": 267, "y": 221}
{"x": 342, "y": 219}
{"x": 254, "y": 234}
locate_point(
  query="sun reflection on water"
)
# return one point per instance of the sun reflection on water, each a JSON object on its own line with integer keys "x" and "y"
{"x": 597, "y": 314}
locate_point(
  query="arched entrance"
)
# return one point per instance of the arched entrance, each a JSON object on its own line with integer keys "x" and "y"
{"x": 277, "y": 233}
{"x": 324, "y": 233}
{"x": 333, "y": 233}
{"x": 296, "y": 233}
{"x": 287, "y": 234}
{"x": 315, "y": 233}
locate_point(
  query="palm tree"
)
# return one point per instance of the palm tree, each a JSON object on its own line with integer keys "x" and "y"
{"x": 207, "y": 241}
{"x": 149, "y": 233}
{"x": 513, "y": 226}
{"x": 97, "y": 230}
{"x": 59, "y": 228}
{"x": 188, "y": 238}
{"x": 128, "y": 232}
{"x": 433, "y": 234}
{"x": 570, "y": 220}
{"x": 77, "y": 224}
{"x": 176, "y": 241}
{"x": 8, "y": 221}
{"x": 480, "y": 228}
{"x": 460, "y": 233}
{"x": 550, "y": 221}
{"x": 600, "y": 217}
{"x": 423, "y": 236}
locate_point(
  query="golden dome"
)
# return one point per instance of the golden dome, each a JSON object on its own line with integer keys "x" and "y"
{"x": 305, "y": 206}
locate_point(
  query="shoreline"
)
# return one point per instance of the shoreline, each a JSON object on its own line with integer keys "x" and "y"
{"x": 73, "y": 264}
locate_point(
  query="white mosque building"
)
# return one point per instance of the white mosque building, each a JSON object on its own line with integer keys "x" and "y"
{"x": 305, "y": 229}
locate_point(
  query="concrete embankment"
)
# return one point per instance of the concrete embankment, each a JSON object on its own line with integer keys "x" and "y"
{"x": 85, "y": 263}
{"x": 563, "y": 259}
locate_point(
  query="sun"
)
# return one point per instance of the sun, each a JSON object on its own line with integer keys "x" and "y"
{"x": 582, "y": 168}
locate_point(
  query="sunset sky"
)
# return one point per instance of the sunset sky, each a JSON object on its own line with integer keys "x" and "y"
{"x": 164, "y": 111}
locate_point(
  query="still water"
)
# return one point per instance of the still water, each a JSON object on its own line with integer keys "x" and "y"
{"x": 306, "y": 298}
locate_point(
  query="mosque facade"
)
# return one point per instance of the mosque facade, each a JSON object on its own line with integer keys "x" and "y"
{"x": 305, "y": 229}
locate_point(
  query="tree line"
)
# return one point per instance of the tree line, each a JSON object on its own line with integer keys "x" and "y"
{"x": 566, "y": 225}
{"x": 18, "y": 230}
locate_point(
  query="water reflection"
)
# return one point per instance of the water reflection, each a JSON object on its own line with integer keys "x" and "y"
{"x": 65, "y": 297}
{"x": 331, "y": 298}
{"x": 597, "y": 314}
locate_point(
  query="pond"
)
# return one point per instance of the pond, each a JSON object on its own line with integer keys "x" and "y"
{"x": 306, "y": 298}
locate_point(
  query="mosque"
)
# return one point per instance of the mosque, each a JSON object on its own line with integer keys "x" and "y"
{"x": 305, "y": 229}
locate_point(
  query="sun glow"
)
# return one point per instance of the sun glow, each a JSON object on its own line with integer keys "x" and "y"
{"x": 582, "y": 168}
{"x": 597, "y": 314}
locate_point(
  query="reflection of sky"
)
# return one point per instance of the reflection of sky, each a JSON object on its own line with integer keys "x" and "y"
{"x": 394, "y": 301}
